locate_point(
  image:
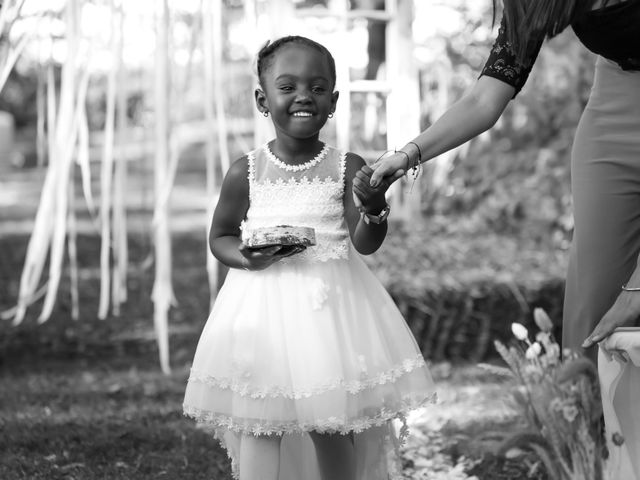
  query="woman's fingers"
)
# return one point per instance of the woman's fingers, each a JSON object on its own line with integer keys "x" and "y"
{"x": 623, "y": 313}
{"x": 380, "y": 170}
{"x": 391, "y": 168}
{"x": 595, "y": 336}
{"x": 399, "y": 174}
{"x": 605, "y": 327}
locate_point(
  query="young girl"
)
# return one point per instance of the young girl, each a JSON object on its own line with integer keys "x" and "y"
{"x": 305, "y": 360}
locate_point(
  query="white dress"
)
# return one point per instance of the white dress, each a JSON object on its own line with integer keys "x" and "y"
{"x": 312, "y": 343}
{"x": 619, "y": 372}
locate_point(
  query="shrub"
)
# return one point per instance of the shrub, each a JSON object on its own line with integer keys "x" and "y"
{"x": 560, "y": 400}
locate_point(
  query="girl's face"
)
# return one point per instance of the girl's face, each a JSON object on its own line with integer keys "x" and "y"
{"x": 298, "y": 91}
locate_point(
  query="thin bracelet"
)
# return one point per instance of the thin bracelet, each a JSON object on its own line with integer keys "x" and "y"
{"x": 419, "y": 151}
{"x": 417, "y": 165}
{"x": 408, "y": 158}
{"x": 418, "y": 161}
{"x": 630, "y": 289}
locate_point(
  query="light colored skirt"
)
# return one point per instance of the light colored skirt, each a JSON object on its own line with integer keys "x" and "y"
{"x": 308, "y": 347}
{"x": 619, "y": 371}
{"x": 605, "y": 181}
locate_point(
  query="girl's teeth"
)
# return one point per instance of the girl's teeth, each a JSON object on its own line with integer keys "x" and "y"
{"x": 301, "y": 114}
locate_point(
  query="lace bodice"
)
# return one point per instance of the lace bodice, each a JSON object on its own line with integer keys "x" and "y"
{"x": 311, "y": 196}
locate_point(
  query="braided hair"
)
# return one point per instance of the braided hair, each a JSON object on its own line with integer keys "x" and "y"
{"x": 267, "y": 53}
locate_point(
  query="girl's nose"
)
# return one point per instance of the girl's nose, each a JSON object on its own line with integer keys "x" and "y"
{"x": 303, "y": 96}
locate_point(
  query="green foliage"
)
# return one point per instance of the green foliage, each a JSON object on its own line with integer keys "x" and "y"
{"x": 458, "y": 289}
{"x": 513, "y": 180}
{"x": 559, "y": 398}
{"x": 19, "y": 96}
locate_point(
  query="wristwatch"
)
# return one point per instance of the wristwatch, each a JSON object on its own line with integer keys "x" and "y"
{"x": 377, "y": 219}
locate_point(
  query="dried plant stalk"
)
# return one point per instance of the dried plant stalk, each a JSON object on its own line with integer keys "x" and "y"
{"x": 120, "y": 248}
{"x": 106, "y": 175}
{"x": 208, "y": 40}
{"x": 162, "y": 294}
{"x": 72, "y": 98}
{"x": 72, "y": 249}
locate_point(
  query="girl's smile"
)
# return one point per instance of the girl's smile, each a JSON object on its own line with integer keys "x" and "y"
{"x": 298, "y": 92}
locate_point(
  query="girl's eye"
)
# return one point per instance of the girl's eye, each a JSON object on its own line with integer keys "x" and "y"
{"x": 286, "y": 88}
{"x": 318, "y": 89}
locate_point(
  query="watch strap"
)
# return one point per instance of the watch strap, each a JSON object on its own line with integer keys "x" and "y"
{"x": 376, "y": 219}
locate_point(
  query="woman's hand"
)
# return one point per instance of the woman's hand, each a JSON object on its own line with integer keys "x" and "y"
{"x": 624, "y": 313}
{"x": 261, "y": 258}
{"x": 390, "y": 168}
{"x": 366, "y": 196}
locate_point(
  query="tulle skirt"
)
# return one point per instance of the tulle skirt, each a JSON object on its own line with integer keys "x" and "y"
{"x": 303, "y": 347}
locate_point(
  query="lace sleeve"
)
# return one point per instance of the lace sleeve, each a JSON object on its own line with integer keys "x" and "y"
{"x": 502, "y": 63}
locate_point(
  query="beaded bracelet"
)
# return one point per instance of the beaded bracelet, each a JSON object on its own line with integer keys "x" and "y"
{"x": 418, "y": 163}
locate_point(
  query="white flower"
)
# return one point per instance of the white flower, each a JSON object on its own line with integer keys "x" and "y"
{"x": 553, "y": 352}
{"x": 319, "y": 293}
{"x": 544, "y": 338}
{"x": 556, "y": 404}
{"x": 569, "y": 412}
{"x": 519, "y": 331}
{"x": 542, "y": 320}
{"x": 533, "y": 351}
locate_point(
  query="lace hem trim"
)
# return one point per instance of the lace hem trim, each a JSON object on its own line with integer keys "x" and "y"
{"x": 353, "y": 386}
{"x": 341, "y": 425}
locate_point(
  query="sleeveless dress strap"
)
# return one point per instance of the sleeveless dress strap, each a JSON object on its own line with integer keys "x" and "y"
{"x": 251, "y": 170}
{"x": 342, "y": 166}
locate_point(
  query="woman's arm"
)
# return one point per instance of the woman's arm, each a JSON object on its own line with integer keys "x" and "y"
{"x": 624, "y": 312}
{"x": 477, "y": 111}
{"x": 224, "y": 235}
{"x": 366, "y": 237}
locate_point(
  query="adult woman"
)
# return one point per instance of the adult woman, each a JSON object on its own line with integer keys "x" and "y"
{"x": 605, "y": 155}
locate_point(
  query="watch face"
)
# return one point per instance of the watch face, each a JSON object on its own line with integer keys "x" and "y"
{"x": 381, "y": 217}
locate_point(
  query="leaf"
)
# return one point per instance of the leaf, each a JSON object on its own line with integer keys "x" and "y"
{"x": 497, "y": 370}
{"x": 572, "y": 369}
{"x": 534, "y": 442}
{"x": 508, "y": 357}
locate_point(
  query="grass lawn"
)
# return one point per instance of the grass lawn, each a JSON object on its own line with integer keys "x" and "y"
{"x": 70, "y": 421}
{"x": 86, "y": 400}
{"x": 84, "y": 420}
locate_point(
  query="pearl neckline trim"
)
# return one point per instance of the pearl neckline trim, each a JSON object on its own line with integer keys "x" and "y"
{"x": 296, "y": 168}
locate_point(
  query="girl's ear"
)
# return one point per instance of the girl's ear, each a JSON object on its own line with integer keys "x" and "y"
{"x": 261, "y": 100}
{"x": 334, "y": 100}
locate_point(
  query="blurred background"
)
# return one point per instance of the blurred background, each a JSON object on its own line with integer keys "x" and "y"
{"x": 118, "y": 121}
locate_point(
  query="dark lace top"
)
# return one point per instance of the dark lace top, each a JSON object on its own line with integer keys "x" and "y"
{"x": 612, "y": 32}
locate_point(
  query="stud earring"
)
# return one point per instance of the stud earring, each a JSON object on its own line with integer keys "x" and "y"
{"x": 330, "y": 114}
{"x": 266, "y": 114}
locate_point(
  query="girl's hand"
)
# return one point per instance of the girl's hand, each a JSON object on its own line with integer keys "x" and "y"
{"x": 261, "y": 258}
{"x": 389, "y": 168}
{"x": 369, "y": 197}
{"x": 624, "y": 313}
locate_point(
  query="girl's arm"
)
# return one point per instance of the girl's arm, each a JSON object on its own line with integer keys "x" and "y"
{"x": 224, "y": 235}
{"x": 366, "y": 238}
{"x": 474, "y": 113}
